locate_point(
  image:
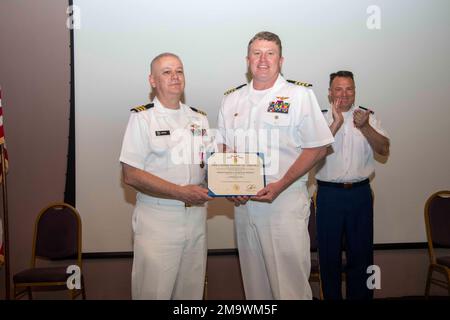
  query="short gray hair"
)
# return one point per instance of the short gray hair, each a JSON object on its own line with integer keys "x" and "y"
{"x": 162, "y": 55}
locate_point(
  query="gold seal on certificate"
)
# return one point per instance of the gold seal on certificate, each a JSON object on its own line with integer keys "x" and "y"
{"x": 235, "y": 174}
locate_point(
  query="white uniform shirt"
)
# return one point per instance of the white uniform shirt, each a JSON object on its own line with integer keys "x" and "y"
{"x": 352, "y": 157}
{"x": 170, "y": 144}
{"x": 285, "y": 120}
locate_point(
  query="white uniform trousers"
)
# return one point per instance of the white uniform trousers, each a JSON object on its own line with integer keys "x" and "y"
{"x": 169, "y": 252}
{"x": 274, "y": 247}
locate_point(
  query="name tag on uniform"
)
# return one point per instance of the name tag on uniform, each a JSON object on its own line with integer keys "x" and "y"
{"x": 162, "y": 133}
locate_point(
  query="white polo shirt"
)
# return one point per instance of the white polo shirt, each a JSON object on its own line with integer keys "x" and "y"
{"x": 170, "y": 144}
{"x": 278, "y": 122}
{"x": 352, "y": 157}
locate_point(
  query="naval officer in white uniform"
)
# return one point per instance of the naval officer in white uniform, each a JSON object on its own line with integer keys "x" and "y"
{"x": 283, "y": 120}
{"x": 163, "y": 159}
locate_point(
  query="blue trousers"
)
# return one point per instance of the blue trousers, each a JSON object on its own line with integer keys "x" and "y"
{"x": 345, "y": 221}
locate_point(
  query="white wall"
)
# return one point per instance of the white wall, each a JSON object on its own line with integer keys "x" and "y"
{"x": 402, "y": 72}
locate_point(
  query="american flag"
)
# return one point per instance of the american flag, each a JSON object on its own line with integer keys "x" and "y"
{"x": 2, "y": 134}
{"x": 2, "y": 141}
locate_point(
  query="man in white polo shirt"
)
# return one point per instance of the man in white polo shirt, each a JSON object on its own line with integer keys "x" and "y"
{"x": 344, "y": 197}
{"x": 163, "y": 159}
{"x": 283, "y": 121}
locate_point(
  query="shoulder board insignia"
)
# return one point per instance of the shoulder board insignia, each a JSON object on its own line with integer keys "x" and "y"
{"x": 303, "y": 84}
{"x": 142, "y": 108}
{"x": 234, "y": 89}
{"x": 199, "y": 111}
{"x": 324, "y": 111}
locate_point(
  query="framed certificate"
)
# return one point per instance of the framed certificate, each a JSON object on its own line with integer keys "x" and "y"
{"x": 235, "y": 174}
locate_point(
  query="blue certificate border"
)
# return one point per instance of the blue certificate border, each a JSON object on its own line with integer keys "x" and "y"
{"x": 212, "y": 194}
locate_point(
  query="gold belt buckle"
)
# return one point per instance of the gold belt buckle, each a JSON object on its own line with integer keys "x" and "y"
{"x": 348, "y": 185}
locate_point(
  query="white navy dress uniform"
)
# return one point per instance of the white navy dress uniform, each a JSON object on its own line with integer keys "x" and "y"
{"x": 169, "y": 236}
{"x": 272, "y": 238}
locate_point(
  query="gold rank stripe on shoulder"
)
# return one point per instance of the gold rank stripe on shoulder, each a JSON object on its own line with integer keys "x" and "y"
{"x": 199, "y": 111}
{"x": 234, "y": 89}
{"x": 142, "y": 108}
{"x": 303, "y": 84}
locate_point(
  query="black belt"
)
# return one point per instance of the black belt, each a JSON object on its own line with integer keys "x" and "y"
{"x": 344, "y": 185}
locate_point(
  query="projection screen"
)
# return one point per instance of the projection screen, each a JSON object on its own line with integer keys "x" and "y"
{"x": 398, "y": 50}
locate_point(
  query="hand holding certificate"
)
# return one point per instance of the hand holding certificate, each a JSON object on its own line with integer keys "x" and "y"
{"x": 235, "y": 174}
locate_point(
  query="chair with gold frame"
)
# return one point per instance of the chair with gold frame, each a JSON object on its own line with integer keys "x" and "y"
{"x": 315, "y": 270}
{"x": 437, "y": 223}
{"x": 57, "y": 238}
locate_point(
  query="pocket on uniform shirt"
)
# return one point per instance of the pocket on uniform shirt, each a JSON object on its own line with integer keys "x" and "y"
{"x": 360, "y": 143}
{"x": 357, "y": 132}
{"x": 276, "y": 119}
{"x": 160, "y": 144}
{"x": 358, "y": 136}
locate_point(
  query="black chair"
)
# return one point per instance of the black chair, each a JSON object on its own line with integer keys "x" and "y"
{"x": 437, "y": 223}
{"x": 57, "y": 238}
